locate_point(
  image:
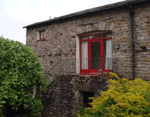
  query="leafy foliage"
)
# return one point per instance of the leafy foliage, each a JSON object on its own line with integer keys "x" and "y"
{"x": 20, "y": 74}
{"x": 124, "y": 98}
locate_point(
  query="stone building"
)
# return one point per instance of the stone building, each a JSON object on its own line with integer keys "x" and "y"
{"x": 78, "y": 50}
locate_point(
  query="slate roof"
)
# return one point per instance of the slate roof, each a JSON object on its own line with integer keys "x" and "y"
{"x": 88, "y": 11}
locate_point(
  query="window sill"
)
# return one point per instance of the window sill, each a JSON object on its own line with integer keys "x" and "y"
{"x": 103, "y": 73}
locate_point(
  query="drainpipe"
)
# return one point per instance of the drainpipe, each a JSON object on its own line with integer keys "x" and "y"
{"x": 131, "y": 13}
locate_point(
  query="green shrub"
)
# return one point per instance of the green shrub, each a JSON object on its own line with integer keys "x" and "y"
{"x": 20, "y": 74}
{"x": 124, "y": 98}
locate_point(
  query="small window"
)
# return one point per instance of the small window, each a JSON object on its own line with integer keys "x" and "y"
{"x": 42, "y": 35}
{"x": 86, "y": 100}
{"x": 144, "y": 49}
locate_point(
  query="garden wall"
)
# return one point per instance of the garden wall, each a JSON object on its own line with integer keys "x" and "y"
{"x": 65, "y": 94}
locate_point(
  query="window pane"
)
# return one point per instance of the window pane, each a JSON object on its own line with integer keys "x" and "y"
{"x": 107, "y": 35}
{"x": 108, "y": 54}
{"x": 42, "y": 34}
{"x": 95, "y": 55}
{"x": 91, "y": 36}
{"x": 83, "y": 37}
{"x": 84, "y": 55}
{"x": 98, "y": 36}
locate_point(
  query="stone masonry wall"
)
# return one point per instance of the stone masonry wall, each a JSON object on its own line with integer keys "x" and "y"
{"x": 61, "y": 38}
{"x": 65, "y": 94}
{"x": 142, "y": 39}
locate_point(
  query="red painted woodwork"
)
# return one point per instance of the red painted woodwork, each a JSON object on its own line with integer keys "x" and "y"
{"x": 97, "y": 38}
{"x": 42, "y": 35}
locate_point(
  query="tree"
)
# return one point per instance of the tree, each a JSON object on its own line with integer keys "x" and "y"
{"x": 20, "y": 74}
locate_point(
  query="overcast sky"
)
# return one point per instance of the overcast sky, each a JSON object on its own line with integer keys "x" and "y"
{"x": 14, "y": 14}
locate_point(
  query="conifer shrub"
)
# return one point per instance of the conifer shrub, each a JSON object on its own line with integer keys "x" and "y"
{"x": 124, "y": 98}
{"x": 21, "y": 74}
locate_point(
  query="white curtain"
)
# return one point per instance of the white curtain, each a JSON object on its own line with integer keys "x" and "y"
{"x": 84, "y": 55}
{"x": 108, "y": 59}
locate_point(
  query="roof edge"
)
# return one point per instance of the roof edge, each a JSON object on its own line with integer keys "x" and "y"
{"x": 88, "y": 11}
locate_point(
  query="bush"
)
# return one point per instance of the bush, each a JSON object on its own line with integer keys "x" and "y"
{"x": 20, "y": 74}
{"x": 124, "y": 98}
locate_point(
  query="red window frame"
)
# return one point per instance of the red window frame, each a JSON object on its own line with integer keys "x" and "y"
{"x": 42, "y": 35}
{"x": 94, "y": 39}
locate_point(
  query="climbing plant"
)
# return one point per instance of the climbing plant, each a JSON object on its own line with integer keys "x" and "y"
{"x": 21, "y": 77}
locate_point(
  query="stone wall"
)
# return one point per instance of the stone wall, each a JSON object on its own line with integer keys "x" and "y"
{"x": 61, "y": 38}
{"x": 65, "y": 94}
{"x": 142, "y": 39}
{"x": 58, "y": 100}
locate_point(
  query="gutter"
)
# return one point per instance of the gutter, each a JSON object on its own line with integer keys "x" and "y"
{"x": 131, "y": 13}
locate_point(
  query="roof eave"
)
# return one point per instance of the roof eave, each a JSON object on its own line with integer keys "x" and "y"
{"x": 88, "y": 11}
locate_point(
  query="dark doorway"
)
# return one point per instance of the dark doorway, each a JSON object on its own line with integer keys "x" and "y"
{"x": 86, "y": 99}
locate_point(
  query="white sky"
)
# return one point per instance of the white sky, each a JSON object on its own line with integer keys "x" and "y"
{"x": 14, "y": 14}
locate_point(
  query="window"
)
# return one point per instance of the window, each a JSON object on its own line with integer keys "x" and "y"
{"x": 86, "y": 100}
{"x": 144, "y": 49}
{"x": 41, "y": 35}
{"x": 95, "y": 53}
